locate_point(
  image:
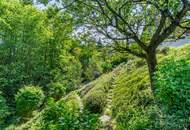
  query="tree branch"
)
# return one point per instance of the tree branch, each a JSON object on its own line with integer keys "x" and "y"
{"x": 135, "y": 37}
{"x": 169, "y": 30}
{"x": 128, "y": 50}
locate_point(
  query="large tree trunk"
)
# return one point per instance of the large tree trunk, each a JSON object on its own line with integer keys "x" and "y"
{"x": 151, "y": 62}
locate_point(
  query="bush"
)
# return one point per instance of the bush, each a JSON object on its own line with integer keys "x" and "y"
{"x": 73, "y": 101}
{"x": 28, "y": 99}
{"x": 173, "y": 92}
{"x": 56, "y": 90}
{"x": 60, "y": 116}
{"x": 4, "y": 112}
{"x": 95, "y": 101}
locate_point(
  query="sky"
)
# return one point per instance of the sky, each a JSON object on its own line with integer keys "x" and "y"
{"x": 41, "y": 6}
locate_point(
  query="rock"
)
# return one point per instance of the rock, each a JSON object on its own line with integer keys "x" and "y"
{"x": 105, "y": 118}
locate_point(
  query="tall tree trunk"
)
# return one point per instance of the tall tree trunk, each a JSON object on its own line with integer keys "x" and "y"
{"x": 151, "y": 62}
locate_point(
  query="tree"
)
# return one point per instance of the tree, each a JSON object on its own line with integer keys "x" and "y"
{"x": 24, "y": 35}
{"x": 65, "y": 66}
{"x": 134, "y": 26}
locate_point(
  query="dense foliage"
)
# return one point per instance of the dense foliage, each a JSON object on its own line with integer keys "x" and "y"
{"x": 137, "y": 27}
{"x": 56, "y": 90}
{"x": 4, "y": 110}
{"x": 60, "y": 65}
{"x": 173, "y": 90}
{"x": 133, "y": 100}
{"x": 95, "y": 102}
{"x": 28, "y": 99}
{"x": 61, "y": 116}
{"x": 37, "y": 49}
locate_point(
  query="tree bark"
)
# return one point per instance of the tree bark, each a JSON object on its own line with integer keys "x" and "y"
{"x": 151, "y": 62}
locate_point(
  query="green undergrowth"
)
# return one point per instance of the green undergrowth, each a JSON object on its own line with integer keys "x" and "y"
{"x": 95, "y": 99}
{"x": 64, "y": 114}
{"x": 134, "y": 107}
{"x": 133, "y": 104}
{"x": 132, "y": 98}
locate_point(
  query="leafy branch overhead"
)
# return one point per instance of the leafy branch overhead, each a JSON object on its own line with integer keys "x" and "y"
{"x": 134, "y": 26}
{"x": 146, "y": 23}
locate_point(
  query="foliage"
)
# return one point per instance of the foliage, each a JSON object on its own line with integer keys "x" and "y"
{"x": 95, "y": 98}
{"x": 68, "y": 72}
{"x": 73, "y": 101}
{"x": 28, "y": 99}
{"x": 173, "y": 90}
{"x": 40, "y": 47}
{"x": 27, "y": 1}
{"x": 133, "y": 105}
{"x": 135, "y": 27}
{"x": 133, "y": 102}
{"x": 61, "y": 116}
{"x": 95, "y": 102}
{"x": 91, "y": 60}
{"x": 56, "y": 90}
{"x": 22, "y": 49}
{"x": 4, "y": 110}
{"x": 132, "y": 98}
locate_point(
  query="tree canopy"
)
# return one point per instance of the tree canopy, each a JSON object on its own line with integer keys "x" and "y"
{"x": 134, "y": 26}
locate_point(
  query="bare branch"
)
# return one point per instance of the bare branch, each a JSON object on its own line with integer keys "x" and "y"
{"x": 159, "y": 29}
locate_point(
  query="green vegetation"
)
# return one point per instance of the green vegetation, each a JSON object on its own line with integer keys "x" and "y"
{"x": 64, "y": 115}
{"x": 56, "y": 90}
{"x": 133, "y": 104}
{"x": 135, "y": 27}
{"x": 173, "y": 92}
{"x": 135, "y": 107}
{"x": 95, "y": 102}
{"x": 94, "y": 65}
{"x": 28, "y": 99}
{"x": 4, "y": 110}
{"x": 132, "y": 98}
{"x": 95, "y": 99}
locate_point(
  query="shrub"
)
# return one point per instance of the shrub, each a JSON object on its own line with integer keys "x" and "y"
{"x": 74, "y": 101}
{"x": 95, "y": 101}
{"x": 28, "y": 99}
{"x": 173, "y": 92}
{"x": 4, "y": 112}
{"x": 56, "y": 90}
{"x": 60, "y": 116}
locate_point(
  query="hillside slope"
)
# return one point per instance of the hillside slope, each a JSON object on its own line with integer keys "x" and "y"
{"x": 123, "y": 96}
